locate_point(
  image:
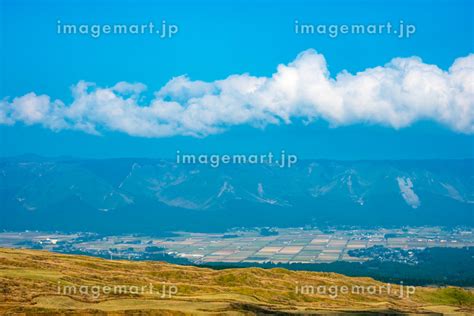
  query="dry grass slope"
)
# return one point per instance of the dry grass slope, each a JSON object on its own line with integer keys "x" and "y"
{"x": 35, "y": 282}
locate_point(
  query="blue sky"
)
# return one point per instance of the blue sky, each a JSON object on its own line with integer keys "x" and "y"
{"x": 216, "y": 40}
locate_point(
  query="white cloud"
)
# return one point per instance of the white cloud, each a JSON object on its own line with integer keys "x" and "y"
{"x": 33, "y": 109}
{"x": 397, "y": 94}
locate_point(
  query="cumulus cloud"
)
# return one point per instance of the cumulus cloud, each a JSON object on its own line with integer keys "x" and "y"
{"x": 396, "y": 95}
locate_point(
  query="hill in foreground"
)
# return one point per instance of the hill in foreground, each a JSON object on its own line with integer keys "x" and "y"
{"x": 39, "y": 282}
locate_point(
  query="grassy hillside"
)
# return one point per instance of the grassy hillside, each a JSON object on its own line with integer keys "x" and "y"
{"x": 34, "y": 282}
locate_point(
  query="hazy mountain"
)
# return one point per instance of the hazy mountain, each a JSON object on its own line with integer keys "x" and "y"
{"x": 145, "y": 195}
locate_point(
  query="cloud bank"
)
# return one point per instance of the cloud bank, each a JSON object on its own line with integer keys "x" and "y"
{"x": 396, "y": 95}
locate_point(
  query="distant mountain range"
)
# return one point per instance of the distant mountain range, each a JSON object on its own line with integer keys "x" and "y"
{"x": 152, "y": 195}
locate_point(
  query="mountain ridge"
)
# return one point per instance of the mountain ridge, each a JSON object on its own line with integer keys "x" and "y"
{"x": 194, "y": 196}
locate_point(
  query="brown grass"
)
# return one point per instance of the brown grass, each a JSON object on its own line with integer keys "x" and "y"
{"x": 29, "y": 281}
